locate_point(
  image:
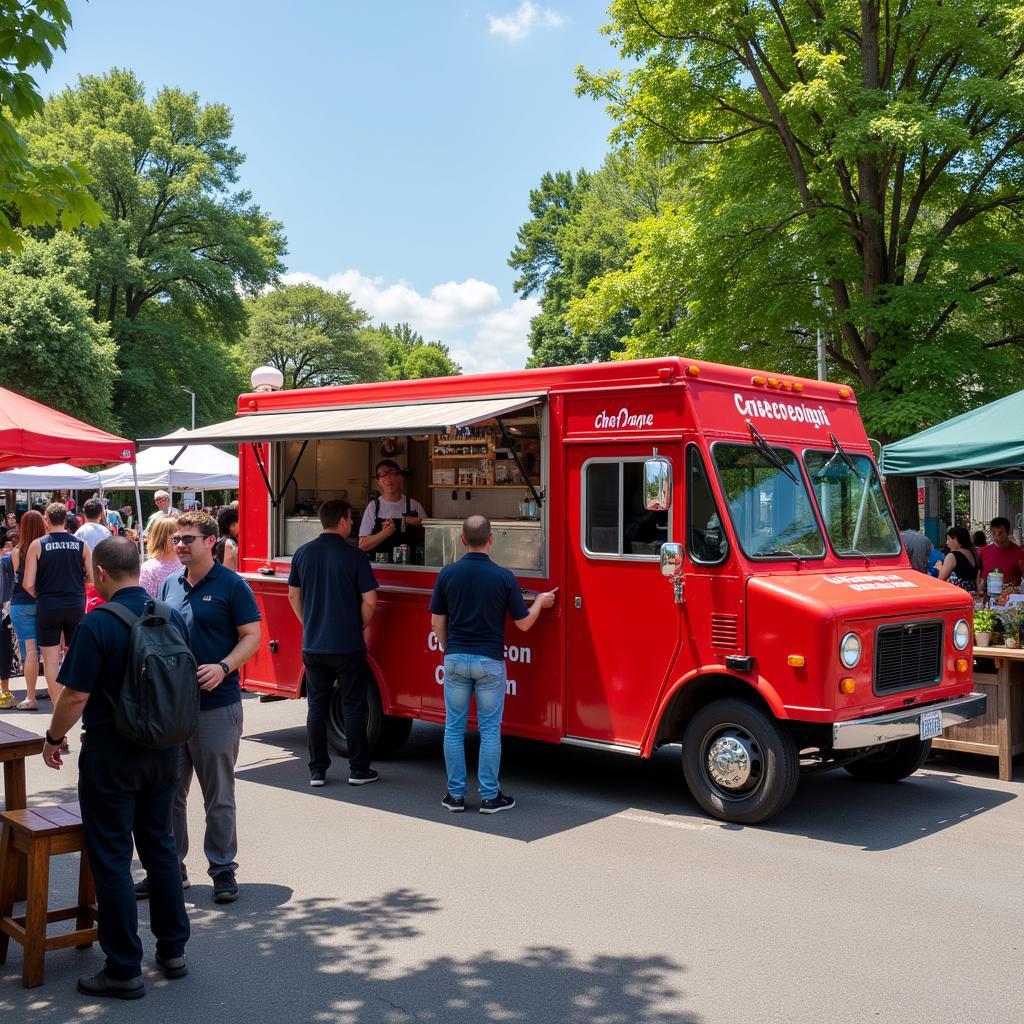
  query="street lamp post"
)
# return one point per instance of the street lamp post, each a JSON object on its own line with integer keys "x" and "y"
{"x": 193, "y": 394}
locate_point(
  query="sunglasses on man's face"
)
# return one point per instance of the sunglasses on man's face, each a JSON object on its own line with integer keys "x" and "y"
{"x": 387, "y": 473}
{"x": 186, "y": 538}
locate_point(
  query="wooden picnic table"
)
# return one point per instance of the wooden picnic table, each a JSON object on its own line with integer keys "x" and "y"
{"x": 16, "y": 744}
{"x": 1000, "y": 731}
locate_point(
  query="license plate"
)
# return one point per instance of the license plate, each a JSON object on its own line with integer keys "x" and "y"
{"x": 931, "y": 724}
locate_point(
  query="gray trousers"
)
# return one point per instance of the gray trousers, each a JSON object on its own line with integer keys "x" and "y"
{"x": 211, "y": 754}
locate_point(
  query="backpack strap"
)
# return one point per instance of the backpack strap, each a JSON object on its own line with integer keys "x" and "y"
{"x": 117, "y": 609}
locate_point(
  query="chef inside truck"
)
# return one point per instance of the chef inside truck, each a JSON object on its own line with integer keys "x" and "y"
{"x": 411, "y": 493}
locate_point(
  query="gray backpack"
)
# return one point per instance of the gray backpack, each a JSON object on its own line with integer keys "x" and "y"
{"x": 158, "y": 706}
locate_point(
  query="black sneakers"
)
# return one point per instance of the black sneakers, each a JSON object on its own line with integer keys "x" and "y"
{"x": 362, "y": 778}
{"x": 225, "y": 888}
{"x": 172, "y": 966}
{"x": 142, "y": 888}
{"x": 317, "y": 778}
{"x": 453, "y": 803}
{"x": 499, "y": 803}
{"x": 102, "y": 985}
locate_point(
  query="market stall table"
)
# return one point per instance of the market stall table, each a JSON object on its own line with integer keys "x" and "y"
{"x": 1000, "y": 731}
{"x": 15, "y": 745}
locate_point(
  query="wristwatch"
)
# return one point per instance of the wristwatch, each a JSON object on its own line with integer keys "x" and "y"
{"x": 52, "y": 741}
{"x": 224, "y": 668}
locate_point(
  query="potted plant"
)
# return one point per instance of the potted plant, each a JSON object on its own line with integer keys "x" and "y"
{"x": 1013, "y": 622}
{"x": 984, "y": 623}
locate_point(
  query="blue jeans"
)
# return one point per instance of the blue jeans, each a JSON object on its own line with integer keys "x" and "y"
{"x": 464, "y": 674}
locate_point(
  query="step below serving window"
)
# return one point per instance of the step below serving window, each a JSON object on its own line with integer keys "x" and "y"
{"x": 410, "y": 493}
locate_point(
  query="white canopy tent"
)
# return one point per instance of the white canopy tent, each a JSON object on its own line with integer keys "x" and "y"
{"x": 60, "y": 476}
{"x": 189, "y": 467}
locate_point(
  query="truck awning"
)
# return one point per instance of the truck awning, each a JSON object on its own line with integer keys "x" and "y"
{"x": 350, "y": 422}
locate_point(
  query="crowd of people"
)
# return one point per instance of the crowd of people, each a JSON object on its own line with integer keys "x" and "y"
{"x": 967, "y": 559}
{"x": 136, "y": 796}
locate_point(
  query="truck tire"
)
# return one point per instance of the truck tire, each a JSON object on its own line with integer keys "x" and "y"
{"x": 385, "y": 733}
{"x": 891, "y": 762}
{"x": 739, "y": 764}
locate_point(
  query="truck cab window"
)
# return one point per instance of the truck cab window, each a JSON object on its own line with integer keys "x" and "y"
{"x": 768, "y": 502}
{"x": 615, "y": 520}
{"x": 705, "y": 536}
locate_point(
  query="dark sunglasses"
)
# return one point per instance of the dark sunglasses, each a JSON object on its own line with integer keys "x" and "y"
{"x": 187, "y": 538}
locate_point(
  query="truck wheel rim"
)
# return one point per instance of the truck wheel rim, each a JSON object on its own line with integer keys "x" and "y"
{"x": 733, "y": 762}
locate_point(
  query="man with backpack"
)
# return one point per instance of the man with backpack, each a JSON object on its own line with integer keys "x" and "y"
{"x": 126, "y": 788}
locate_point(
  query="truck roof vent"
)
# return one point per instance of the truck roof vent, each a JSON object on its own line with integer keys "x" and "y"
{"x": 724, "y": 631}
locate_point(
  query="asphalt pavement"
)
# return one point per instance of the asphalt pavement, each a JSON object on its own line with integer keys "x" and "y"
{"x": 604, "y": 897}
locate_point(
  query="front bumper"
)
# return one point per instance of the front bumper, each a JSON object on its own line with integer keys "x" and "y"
{"x": 901, "y": 725}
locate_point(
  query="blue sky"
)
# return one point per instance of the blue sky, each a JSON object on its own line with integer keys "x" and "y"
{"x": 396, "y": 141}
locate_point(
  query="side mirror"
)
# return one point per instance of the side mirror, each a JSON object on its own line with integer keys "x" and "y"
{"x": 657, "y": 484}
{"x": 671, "y": 560}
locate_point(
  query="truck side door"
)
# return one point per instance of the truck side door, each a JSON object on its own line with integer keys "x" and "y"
{"x": 623, "y": 626}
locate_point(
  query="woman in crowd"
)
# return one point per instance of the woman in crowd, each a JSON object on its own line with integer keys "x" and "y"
{"x": 7, "y": 699}
{"x": 23, "y": 607}
{"x": 960, "y": 566}
{"x": 162, "y": 561}
{"x": 226, "y": 550}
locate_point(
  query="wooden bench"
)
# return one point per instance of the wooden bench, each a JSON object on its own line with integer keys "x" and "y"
{"x": 34, "y": 835}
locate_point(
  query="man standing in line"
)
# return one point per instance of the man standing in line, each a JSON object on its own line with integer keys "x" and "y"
{"x": 125, "y": 790}
{"x": 224, "y": 633}
{"x": 93, "y": 530}
{"x": 467, "y": 613}
{"x": 333, "y": 592}
{"x": 57, "y": 566}
{"x": 918, "y": 546}
{"x": 1001, "y": 554}
{"x": 163, "y": 508}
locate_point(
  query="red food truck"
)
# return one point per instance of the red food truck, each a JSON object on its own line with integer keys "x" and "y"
{"x": 730, "y": 575}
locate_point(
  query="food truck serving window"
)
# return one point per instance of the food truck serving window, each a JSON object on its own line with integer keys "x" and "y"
{"x": 853, "y": 507}
{"x": 615, "y": 522}
{"x": 768, "y": 502}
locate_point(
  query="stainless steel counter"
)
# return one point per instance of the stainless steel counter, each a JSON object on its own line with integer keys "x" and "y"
{"x": 518, "y": 543}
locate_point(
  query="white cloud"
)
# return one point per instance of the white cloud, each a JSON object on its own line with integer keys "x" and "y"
{"x": 483, "y": 333}
{"x": 515, "y": 27}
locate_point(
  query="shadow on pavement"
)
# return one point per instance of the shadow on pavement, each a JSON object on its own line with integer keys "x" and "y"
{"x": 272, "y": 958}
{"x": 558, "y": 788}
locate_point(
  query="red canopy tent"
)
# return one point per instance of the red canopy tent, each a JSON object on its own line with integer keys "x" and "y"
{"x": 32, "y": 434}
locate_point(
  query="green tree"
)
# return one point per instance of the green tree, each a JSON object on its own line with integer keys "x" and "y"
{"x": 181, "y": 246}
{"x": 855, "y": 168}
{"x": 50, "y": 347}
{"x": 409, "y": 357}
{"x": 34, "y": 193}
{"x": 313, "y": 336}
{"x": 580, "y": 230}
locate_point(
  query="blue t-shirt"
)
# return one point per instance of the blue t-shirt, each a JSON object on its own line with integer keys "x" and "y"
{"x": 475, "y": 594}
{"x": 333, "y": 576}
{"x": 213, "y": 610}
{"x": 97, "y": 658}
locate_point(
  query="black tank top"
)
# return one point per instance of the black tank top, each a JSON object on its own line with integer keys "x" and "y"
{"x": 60, "y": 575}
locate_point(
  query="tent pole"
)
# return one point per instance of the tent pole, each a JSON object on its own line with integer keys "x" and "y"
{"x": 138, "y": 503}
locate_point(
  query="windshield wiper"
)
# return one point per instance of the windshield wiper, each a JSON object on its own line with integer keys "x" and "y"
{"x": 842, "y": 453}
{"x": 763, "y": 447}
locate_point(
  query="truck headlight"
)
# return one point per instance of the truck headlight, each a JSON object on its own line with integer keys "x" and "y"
{"x": 849, "y": 650}
{"x": 961, "y": 634}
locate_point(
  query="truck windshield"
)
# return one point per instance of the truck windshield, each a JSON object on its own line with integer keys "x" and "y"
{"x": 853, "y": 507}
{"x": 768, "y": 502}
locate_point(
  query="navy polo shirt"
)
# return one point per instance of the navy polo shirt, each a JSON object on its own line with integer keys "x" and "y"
{"x": 213, "y": 610}
{"x": 97, "y": 658}
{"x": 333, "y": 576}
{"x": 475, "y": 594}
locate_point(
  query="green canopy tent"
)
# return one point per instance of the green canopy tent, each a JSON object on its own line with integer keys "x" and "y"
{"x": 983, "y": 444}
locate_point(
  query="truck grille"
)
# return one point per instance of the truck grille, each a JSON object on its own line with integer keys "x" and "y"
{"x": 908, "y": 656}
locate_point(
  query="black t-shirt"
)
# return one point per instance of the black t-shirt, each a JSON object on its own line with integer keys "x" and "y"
{"x": 475, "y": 594}
{"x": 97, "y": 658}
{"x": 333, "y": 576}
{"x": 60, "y": 571}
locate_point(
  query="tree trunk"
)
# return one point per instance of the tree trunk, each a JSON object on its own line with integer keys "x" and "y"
{"x": 902, "y": 492}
